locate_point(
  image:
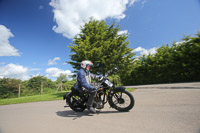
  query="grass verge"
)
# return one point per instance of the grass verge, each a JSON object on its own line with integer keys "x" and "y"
{"x": 38, "y": 98}
{"x": 130, "y": 89}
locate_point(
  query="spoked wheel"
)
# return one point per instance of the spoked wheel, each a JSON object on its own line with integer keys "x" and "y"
{"x": 76, "y": 103}
{"x": 122, "y": 101}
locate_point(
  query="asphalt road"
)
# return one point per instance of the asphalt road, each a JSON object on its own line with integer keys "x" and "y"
{"x": 155, "y": 111}
{"x": 190, "y": 85}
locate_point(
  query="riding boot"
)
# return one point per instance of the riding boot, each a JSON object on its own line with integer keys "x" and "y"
{"x": 91, "y": 109}
{"x": 90, "y": 102}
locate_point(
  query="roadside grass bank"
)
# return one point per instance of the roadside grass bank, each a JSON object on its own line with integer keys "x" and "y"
{"x": 38, "y": 98}
{"x": 130, "y": 89}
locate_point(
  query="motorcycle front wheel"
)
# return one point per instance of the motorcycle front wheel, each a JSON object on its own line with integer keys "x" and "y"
{"x": 122, "y": 100}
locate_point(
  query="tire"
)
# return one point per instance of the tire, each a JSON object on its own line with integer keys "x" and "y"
{"x": 76, "y": 104}
{"x": 118, "y": 100}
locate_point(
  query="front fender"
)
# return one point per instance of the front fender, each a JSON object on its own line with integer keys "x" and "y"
{"x": 117, "y": 89}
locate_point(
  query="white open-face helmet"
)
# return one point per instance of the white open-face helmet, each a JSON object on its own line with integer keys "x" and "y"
{"x": 85, "y": 63}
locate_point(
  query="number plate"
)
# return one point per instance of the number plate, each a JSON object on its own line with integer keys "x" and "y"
{"x": 108, "y": 83}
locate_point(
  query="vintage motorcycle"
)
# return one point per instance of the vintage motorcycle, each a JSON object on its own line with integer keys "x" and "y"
{"x": 117, "y": 97}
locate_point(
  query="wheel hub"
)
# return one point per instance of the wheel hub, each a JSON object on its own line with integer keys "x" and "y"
{"x": 120, "y": 100}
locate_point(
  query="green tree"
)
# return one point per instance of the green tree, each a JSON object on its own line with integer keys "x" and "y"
{"x": 9, "y": 87}
{"x": 108, "y": 50}
{"x": 33, "y": 85}
{"x": 178, "y": 63}
{"x": 62, "y": 78}
{"x": 101, "y": 43}
{"x": 67, "y": 85}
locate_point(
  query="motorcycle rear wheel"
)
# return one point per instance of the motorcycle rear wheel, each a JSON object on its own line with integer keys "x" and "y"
{"x": 122, "y": 101}
{"x": 76, "y": 104}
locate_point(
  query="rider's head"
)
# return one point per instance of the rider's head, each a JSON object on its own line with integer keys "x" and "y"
{"x": 86, "y": 64}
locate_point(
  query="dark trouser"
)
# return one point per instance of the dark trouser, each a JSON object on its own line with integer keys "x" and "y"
{"x": 92, "y": 95}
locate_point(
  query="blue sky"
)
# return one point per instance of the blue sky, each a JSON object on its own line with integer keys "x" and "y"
{"x": 34, "y": 34}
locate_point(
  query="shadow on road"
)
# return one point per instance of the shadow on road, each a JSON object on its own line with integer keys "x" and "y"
{"x": 71, "y": 113}
{"x": 75, "y": 115}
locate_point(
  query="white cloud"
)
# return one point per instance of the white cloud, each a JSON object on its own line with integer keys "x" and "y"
{"x": 36, "y": 75}
{"x": 144, "y": 51}
{"x": 53, "y": 62}
{"x": 181, "y": 42}
{"x": 123, "y": 32}
{"x": 153, "y": 50}
{"x": 14, "y": 71}
{"x": 69, "y": 14}
{"x": 55, "y": 72}
{"x": 6, "y": 49}
{"x": 34, "y": 69}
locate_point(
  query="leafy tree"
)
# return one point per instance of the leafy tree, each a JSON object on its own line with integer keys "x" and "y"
{"x": 33, "y": 85}
{"x": 62, "y": 78}
{"x": 178, "y": 63}
{"x": 115, "y": 79}
{"x": 101, "y": 43}
{"x": 9, "y": 87}
{"x": 67, "y": 85}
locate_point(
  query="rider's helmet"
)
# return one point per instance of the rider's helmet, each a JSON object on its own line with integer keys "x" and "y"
{"x": 86, "y": 63}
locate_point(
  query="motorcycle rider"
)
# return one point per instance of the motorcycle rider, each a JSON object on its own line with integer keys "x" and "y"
{"x": 84, "y": 82}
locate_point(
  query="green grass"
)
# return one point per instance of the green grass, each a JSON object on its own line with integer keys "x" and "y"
{"x": 130, "y": 89}
{"x": 37, "y": 98}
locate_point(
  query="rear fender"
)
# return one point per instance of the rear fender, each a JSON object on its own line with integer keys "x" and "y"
{"x": 67, "y": 97}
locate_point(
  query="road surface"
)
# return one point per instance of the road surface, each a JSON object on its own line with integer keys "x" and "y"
{"x": 190, "y": 85}
{"x": 155, "y": 111}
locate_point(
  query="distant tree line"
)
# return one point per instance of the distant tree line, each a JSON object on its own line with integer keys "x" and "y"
{"x": 9, "y": 87}
{"x": 179, "y": 62}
